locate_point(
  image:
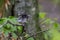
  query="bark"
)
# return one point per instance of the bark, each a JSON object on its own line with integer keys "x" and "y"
{"x": 39, "y": 36}
{"x": 33, "y": 21}
{"x": 30, "y": 8}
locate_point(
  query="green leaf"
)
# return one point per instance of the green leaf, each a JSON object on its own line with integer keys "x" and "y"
{"x": 6, "y": 32}
{"x": 46, "y": 36}
{"x": 13, "y": 28}
{"x": 55, "y": 25}
{"x": 7, "y": 27}
{"x": 47, "y": 21}
{"x": 20, "y": 28}
{"x": 14, "y": 35}
{"x": 27, "y": 35}
{"x": 11, "y": 17}
{"x": 1, "y": 20}
{"x": 31, "y": 38}
{"x": 42, "y": 14}
{"x": 13, "y": 20}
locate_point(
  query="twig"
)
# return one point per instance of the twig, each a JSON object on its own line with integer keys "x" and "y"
{"x": 38, "y": 33}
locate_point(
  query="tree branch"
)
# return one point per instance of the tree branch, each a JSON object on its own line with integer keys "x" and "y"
{"x": 38, "y": 33}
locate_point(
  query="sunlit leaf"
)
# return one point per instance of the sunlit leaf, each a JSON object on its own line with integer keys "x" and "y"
{"x": 20, "y": 29}
{"x": 42, "y": 14}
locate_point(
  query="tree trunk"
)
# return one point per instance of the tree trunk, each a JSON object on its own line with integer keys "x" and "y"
{"x": 30, "y": 8}
{"x": 39, "y": 36}
{"x": 33, "y": 21}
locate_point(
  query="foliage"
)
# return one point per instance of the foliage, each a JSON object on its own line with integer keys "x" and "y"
{"x": 30, "y": 38}
{"x": 7, "y": 28}
{"x": 42, "y": 14}
{"x": 53, "y": 28}
{"x": 16, "y": 31}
